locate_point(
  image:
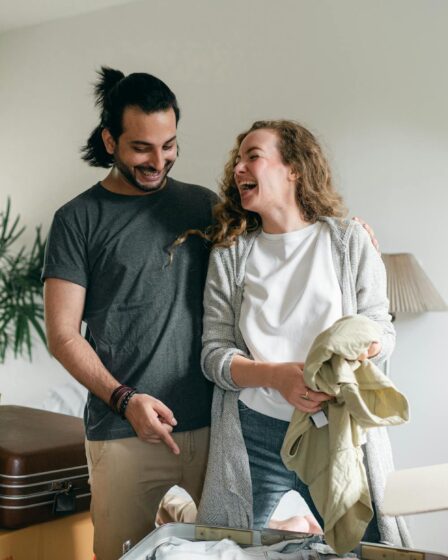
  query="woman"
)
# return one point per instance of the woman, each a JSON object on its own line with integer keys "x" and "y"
{"x": 283, "y": 268}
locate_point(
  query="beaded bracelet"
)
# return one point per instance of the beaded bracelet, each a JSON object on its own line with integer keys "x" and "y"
{"x": 125, "y": 401}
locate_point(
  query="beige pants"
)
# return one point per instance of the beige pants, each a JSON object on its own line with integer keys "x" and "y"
{"x": 128, "y": 479}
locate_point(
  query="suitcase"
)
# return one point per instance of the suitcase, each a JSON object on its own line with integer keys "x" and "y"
{"x": 43, "y": 466}
{"x": 144, "y": 550}
{"x": 245, "y": 538}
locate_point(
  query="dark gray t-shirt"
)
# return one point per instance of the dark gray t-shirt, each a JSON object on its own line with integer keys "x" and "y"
{"x": 144, "y": 316}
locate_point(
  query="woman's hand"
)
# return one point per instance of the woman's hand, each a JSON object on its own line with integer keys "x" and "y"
{"x": 373, "y": 350}
{"x": 288, "y": 380}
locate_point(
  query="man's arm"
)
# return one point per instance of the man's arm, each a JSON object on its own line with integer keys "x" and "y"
{"x": 64, "y": 305}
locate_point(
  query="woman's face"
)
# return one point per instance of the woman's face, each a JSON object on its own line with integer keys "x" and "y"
{"x": 264, "y": 181}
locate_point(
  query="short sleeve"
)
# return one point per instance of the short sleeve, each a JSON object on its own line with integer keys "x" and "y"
{"x": 65, "y": 253}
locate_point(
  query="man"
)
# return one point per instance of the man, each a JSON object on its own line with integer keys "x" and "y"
{"x": 108, "y": 264}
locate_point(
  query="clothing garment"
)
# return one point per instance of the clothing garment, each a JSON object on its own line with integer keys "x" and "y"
{"x": 143, "y": 319}
{"x": 129, "y": 477}
{"x": 330, "y": 459}
{"x": 263, "y": 437}
{"x": 271, "y": 479}
{"x": 176, "y": 508}
{"x": 144, "y": 315}
{"x": 181, "y": 549}
{"x": 291, "y": 294}
{"x": 227, "y": 496}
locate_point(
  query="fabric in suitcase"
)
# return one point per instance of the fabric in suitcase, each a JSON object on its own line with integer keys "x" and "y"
{"x": 225, "y": 542}
{"x": 43, "y": 466}
{"x": 301, "y": 546}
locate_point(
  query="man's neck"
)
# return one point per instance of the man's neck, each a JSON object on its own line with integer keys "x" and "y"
{"x": 116, "y": 183}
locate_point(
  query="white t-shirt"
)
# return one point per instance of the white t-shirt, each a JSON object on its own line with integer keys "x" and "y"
{"x": 291, "y": 294}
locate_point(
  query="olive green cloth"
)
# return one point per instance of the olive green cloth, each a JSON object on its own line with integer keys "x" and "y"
{"x": 330, "y": 459}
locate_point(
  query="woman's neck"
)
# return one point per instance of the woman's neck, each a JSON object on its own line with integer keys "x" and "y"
{"x": 283, "y": 222}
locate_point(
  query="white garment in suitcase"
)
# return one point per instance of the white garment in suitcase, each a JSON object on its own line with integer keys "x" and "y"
{"x": 180, "y": 549}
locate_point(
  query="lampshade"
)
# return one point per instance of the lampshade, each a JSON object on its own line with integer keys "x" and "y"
{"x": 408, "y": 288}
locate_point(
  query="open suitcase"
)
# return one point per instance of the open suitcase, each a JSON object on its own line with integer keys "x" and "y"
{"x": 43, "y": 466}
{"x": 145, "y": 549}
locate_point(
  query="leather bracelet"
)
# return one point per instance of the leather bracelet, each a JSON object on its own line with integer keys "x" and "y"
{"x": 117, "y": 396}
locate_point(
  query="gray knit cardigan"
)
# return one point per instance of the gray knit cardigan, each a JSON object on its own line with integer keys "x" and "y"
{"x": 227, "y": 495}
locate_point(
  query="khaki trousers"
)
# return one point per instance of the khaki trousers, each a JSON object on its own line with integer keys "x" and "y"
{"x": 128, "y": 479}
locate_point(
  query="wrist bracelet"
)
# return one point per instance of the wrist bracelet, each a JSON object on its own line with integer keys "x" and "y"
{"x": 124, "y": 402}
{"x": 117, "y": 396}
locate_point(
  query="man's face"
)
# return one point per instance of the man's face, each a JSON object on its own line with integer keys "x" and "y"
{"x": 146, "y": 150}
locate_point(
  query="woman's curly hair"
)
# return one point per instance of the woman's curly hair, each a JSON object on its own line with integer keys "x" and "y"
{"x": 315, "y": 193}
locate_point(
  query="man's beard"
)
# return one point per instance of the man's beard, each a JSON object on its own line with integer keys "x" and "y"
{"x": 132, "y": 180}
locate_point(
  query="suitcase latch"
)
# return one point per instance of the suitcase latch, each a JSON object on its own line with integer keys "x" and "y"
{"x": 64, "y": 501}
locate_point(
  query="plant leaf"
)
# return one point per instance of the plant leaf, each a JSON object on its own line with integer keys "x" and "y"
{"x": 21, "y": 307}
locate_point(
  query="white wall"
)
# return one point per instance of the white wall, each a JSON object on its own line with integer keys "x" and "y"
{"x": 369, "y": 77}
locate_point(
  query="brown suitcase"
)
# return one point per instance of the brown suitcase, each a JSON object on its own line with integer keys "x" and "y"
{"x": 43, "y": 467}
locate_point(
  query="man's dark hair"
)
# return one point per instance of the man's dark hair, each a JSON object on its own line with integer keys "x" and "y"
{"x": 114, "y": 92}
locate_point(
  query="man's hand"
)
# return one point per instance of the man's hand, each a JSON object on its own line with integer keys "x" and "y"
{"x": 370, "y": 231}
{"x": 152, "y": 420}
{"x": 288, "y": 380}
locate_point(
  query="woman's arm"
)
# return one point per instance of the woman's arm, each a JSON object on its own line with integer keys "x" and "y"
{"x": 371, "y": 290}
{"x": 218, "y": 339}
{"x": 228, "y": 364}
{"x": 285, "y": 377}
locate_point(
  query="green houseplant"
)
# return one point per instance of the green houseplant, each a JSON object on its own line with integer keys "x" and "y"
{"x": 21, "y": 306}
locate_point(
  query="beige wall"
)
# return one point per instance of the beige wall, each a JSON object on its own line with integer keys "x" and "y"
{"x": 369, "y": 77}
